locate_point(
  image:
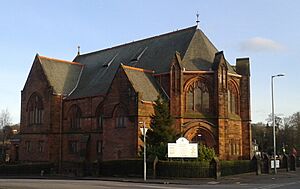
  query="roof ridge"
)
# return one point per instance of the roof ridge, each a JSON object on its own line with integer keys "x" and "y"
{"x": 60, "y": 60}
{"x": 137, "y": 69}
{"x": 144, "y": 39}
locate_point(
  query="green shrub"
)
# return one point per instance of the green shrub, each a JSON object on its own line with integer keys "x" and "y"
{"x": 161, "y": 131}
{"x": 205, "y": 153}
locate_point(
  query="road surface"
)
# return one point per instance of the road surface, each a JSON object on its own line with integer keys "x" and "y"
{"x": 98, "y": 184}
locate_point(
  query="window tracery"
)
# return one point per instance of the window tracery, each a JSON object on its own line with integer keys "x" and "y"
{"x": 75, "y": 117}
{"x": 35, "y": 109}
{"x": 232, "y": 99}
{"x": 121, "y": 118}
{"x": 197, "y": 97}
{"x": 99, "y": 118}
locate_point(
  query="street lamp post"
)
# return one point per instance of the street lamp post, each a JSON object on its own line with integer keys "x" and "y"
{"x": 144, "y": 131}
{"x": 273, "y": 119}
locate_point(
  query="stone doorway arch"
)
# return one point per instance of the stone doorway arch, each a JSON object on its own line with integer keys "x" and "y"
{"x": 201, "y": 132}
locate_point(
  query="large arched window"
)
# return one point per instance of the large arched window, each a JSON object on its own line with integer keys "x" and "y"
{"x": 233, "y": 107}
{"x": 99, "y": 118}
{"x": 120, "y": 117}
{"x": 197, "y": 97}
{"x": 35, "y": 109}
{"x": 75, "y": 117}
{"x": 175, "y": 79}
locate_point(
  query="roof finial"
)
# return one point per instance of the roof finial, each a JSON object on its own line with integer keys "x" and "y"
{"x": 197, "y": 21}
{"x": 78, "y": 51}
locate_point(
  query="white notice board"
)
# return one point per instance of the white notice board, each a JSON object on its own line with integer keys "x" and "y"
{"x": 277, "y": 163}
{"x": 182, "y": 149}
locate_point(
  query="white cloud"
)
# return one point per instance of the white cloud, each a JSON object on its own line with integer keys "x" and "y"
{"x": 259, "y": 44}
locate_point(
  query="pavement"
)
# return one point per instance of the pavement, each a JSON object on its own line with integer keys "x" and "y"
{"x": 246, "y": 178}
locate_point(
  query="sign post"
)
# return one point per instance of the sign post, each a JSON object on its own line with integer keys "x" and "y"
{"x": 144, "y": 131}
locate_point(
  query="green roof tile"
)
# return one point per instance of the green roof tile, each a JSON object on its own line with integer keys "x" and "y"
{"x": 144, "y": 83}
{"x": 62, "y": 75}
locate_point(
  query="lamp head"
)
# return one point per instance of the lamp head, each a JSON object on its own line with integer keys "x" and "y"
{"x": 280, "y": 75}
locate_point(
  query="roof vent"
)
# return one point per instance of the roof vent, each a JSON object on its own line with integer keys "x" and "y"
{"x": 107, "y": 64}
{"x": 138, "y": 55}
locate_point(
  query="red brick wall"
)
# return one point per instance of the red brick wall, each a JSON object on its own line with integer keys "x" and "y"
{"x": 246, "y": 117}
{"x": 123, "y": 143}
{"x": 36, "y": 82}
{"x": 230, "y": 128}
{"x": 120, "y": 143}
{"x": 87, "y": 135}
{"x": 176, "y": 94}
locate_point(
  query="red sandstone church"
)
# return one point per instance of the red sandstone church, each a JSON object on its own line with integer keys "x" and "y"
{"x": 89, "y": 109}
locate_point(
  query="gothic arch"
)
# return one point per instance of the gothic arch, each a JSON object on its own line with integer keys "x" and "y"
{"x": 35, "y": 109}
{"x": 195, "y": 79}
{"x": 119, "y": 109}
{"x": 99, "y": 115}
{"x": 233, "y": 97}
{"x": 197, "y": 95}
{"x": 120, "y": 115}
{"x": 202, "y": 132}
{"x": 74, "y": 116}
{"x": 234, "y": 84}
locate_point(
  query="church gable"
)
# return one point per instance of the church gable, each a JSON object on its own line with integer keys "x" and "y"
{"x": 35, "y": 96}
{"x": 62, "y": 76}
{"x": 219, "y": 61}
{"x": 120, "y": 92}
{"x": 200, "y": 53}
{"x": 36, "y": 75}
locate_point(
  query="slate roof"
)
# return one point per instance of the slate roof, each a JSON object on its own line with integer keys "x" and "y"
{"x": 156, "y": 54}
{"x": 62, "y": 75}
{"x": 153, "y": 53}
{"x": 144, "y": 83}
{"x": 93, "y": 73}
{"x": 201, "y": 53}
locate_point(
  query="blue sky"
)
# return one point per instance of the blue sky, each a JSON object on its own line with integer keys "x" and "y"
{"x": 267, "y": 31}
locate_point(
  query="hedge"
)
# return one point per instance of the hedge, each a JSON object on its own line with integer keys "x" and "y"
{"x": 132, "y": 167}
{"x": 236, "y": 167}
{"x": 173, "y": 169}
{"x": 298, "y": 161}
{"x": 188, "y": 169}
{"x": 26, "y": 169}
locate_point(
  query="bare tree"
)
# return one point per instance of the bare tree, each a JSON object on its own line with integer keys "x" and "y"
{"x": 5, "y": 119}
{"x": 295, "y": 123}
{"x": 278, "y": 121}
